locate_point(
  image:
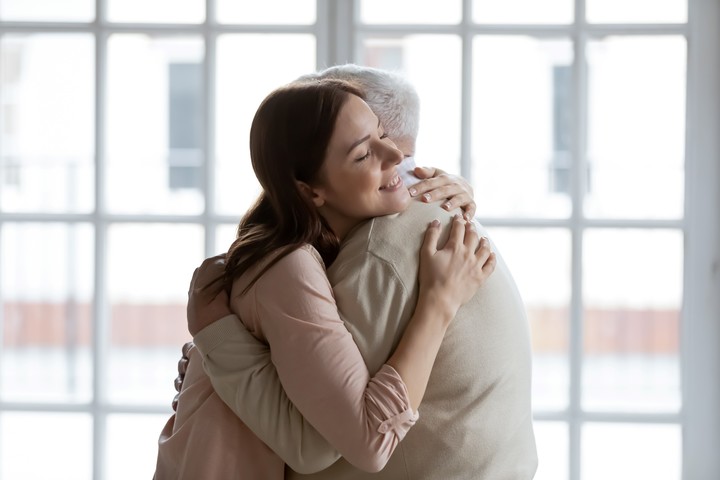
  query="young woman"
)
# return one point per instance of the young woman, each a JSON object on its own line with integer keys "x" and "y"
{"x": 326, "y": 166}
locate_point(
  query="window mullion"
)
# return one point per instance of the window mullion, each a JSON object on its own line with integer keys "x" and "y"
{"x": 209, "y": 94}
{"x": 700, "y": 365}
{"x": 577, "y": 193}
{"x": 100, "y": 304}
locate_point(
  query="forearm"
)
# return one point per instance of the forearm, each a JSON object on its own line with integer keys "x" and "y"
{"x": 415, "y": 354}
{"x": 244, "y": 377}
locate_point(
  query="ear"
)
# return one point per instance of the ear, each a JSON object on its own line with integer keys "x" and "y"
{"x": 316, "y": 195}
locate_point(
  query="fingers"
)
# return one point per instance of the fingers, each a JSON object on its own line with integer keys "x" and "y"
{"x": 210, "y": 270}
{"x": 426, "y": 172}
{"x": 186, "y": 349}
{"x": 484, "y": 252}
{"x": 489, "y": 266}
{"x": 472, "y": 239}
{"x": 453, "y": 191}
{"x": 457, "y": 232}
{"x": 432, "y": 234}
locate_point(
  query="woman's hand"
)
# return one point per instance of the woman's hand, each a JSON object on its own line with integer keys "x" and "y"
{"x": 207, "y": 301}
{"x": 452, "y": 274}
{"x": 436, "y": 185}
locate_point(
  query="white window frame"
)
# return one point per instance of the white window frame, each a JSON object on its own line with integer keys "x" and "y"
{"x": 337, "y": 31}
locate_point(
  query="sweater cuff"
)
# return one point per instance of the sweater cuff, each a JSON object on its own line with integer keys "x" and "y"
{"x": 218, "y": 332}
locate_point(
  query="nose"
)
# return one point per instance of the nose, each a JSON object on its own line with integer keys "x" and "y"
{"x": 392, "y": 155}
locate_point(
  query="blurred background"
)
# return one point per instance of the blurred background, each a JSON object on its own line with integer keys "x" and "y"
{"x": 124, "y": 162}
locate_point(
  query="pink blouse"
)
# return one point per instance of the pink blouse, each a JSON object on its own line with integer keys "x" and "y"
{"x": 292, "y": 309}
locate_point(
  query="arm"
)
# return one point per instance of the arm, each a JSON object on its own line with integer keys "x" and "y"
{"x": 320, "y": 366}
{"x": 261, "y": 403}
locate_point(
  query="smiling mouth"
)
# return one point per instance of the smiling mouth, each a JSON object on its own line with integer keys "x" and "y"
{"x": 394, "y": 183}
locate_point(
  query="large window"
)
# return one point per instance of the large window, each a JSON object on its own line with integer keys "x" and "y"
{"x": 582, "y": 124}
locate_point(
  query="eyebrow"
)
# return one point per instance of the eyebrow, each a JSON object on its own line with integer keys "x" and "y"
{"x": 364, "y": 139}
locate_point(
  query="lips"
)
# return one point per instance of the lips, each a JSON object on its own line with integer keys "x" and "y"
{"x": 394, "y": 183}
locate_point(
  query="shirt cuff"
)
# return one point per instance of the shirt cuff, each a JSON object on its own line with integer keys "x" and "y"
{"x": 218, "y": 332}
{"x": 391, "y": 408}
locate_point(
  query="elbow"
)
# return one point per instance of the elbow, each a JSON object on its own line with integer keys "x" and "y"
{"x": 307, "y": 463}
{"x": 370, "y": 462}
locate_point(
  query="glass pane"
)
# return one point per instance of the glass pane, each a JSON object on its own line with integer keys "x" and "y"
{"x": 46, "y": 445}
{"x": 637, "y": 11}
{"x": 238, "y": 96}
{"x": 149, "y": 271}
{"x": 47, "y": 11}
{"x": 636, "y": 129}
{"x": 523, "y": 11}
{"x": 135, "y": 437}
{"x": 522, "y": 126}
{"x": 224, "y": 236}
{"x": 631, "y": 451}
{"x": 632, "y": 283}
{"x": 551, "y": 439}
{"x": 544, "y": 284}
{"x": 155, "y": 128}
{"x": 47, "y": 114}
{"x": 284, "y": 12}
{"x": 156, "y": 11}
{"x": 47, "y": 295}
{"x": 410, "y": 11}
{"x": 426, "y": 61}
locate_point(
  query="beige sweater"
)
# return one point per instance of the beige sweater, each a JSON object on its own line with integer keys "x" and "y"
{"x": 475, "y": 420}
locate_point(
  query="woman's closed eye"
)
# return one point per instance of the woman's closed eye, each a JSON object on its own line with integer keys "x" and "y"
{"x": 364, "y": 157}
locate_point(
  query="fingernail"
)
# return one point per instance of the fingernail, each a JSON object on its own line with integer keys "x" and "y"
{"x": 446, "y": 205}
{"x": 426, "y": 197}
{"x": 413, "y": 192}
{"x": 467, "y": 216}
{"x": 435, "y": 223}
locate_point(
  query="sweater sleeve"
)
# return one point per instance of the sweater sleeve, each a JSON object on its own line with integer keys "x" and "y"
{"x": 320, "y": 366}
{"x": 258, "y": 398}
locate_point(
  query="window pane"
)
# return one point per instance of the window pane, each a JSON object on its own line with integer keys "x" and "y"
{"x": 410, "y": 11}
{"x": 282, "y": 12}
{"x": 239, "y": 93}
{"x": 45, "y": 445}
{"x": 47, "y": 294}
{"x": 636, "y": 136}
{"x": 544, "y": 283}
{"x": 47, "y": 115}
{"x": 432, "y": 63}
{"x": 632, "y": 292}
{"x": 156, "y": 11}
{"x": 637, "y": 11}
{"x": 155, "y": 129}
{"x": 133, "y": 437}
{"x": 552, "y": 447}
{"x": 523, "y": 11}
{"x": 149, "y": 271}
{"x": 522, "y": 126}
{"x": 47, "y": 11}
{"x": 224, "y": 236}
{"x": 631, "y": 451}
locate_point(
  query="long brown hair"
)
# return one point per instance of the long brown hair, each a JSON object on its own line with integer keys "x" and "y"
{"x": 289, "y": 138}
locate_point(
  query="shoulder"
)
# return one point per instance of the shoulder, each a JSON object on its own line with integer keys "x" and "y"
{"x": 304, "y": 265}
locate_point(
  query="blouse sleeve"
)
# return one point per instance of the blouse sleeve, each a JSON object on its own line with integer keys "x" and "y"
{"x": 258, "y": 398}
{"x": 321, "y": 368}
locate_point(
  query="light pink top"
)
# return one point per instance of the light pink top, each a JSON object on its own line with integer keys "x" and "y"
{"x": 292, "y": 309}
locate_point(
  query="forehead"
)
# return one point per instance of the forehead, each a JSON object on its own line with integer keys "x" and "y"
{"x": 354, "y": 121}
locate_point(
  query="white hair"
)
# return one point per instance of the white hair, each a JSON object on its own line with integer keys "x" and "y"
{"x": 393, "y": 98}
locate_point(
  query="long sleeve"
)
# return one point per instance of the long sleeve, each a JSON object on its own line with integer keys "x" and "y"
{"x": 318, "y": 363}
{"x": 259, "y": 399}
